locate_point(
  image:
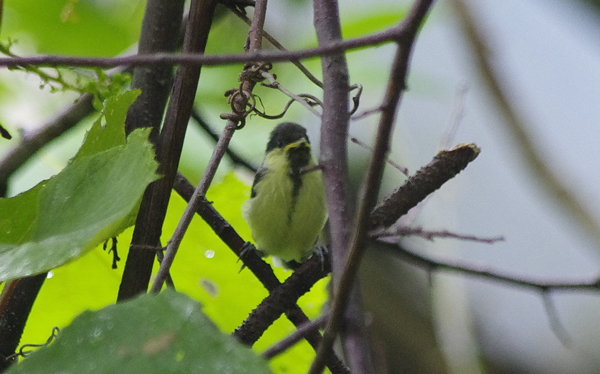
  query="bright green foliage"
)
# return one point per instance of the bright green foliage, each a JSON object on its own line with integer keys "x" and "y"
{"x": 204, "y": 269}
{"x": 208, "y": 271}
{"x": 166, "y": 333}
{"x": 94, "y": 198}
{"x": 96, "y": 82}
{"x": 89, "y": 28}
{"x": 365, "y": 24}
{"x": 105, "y": 86}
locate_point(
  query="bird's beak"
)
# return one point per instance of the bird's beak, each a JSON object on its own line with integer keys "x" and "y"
{"x": 300, "y": 143}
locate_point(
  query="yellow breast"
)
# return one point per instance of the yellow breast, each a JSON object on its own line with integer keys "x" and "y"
{"x": 282, "y": 226}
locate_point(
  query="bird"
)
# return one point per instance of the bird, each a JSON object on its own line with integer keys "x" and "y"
{"x": 286, "y": 211}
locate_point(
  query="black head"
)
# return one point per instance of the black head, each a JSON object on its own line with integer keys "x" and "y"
{"x": 284, "y": 134}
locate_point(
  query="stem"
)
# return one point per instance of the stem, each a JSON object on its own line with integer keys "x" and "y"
{"x": 187, "y": 58}
{"x": 262, "y": 271}
{"x": 192, "y": 206}
{"x": 334, "y": 160}
{"x": 151, "y": 215}
{"x": 396, "y": 84}
{"x": 16, "y": 302}
{"x": 253, "y": 44}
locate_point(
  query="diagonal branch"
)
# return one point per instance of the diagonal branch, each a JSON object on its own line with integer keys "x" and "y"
{"x": 253, "y": 43}
{"x": 444, "y": 166}
{"x": 262, "y": 271}
{"x": 279, "y": 46}
{"x": 295, "y": 337}
{"x": 543, "y": 287}
{"x": 283, "y": 298}
{"x": 485, "y": 273}
{"x": 34, "y": 141}
{"x": 234, "y": 156}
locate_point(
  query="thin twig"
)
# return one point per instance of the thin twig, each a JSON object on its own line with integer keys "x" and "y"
{"x": 191, "y": 208}
{"x": 398, "y": 34}
{"x": 46, "y": 78}
{"x": 555, "y": 324}
{"x": 430, "y": 235}
{"x": 253, "y": 44}
{"x": 233, "y": 155}
{"x": 396, "y": 85}
{"x": 358, "y": 142}
{"x": 356, "y": 98}
{"x": 543, "y": 287}
{"x": 485, "y": 273}
{"x": 366, "y": 113}
{"x": 25, "y": 350}
{"x": 289, "y": 93}
{"x": 277, "y": 45}
{"x": 290, "y": 340}
{"x": 311, "y": 100}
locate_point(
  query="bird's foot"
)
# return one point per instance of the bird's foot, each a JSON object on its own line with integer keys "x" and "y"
{"x": 246, "y": 249}
{"x": 322, "y": 252}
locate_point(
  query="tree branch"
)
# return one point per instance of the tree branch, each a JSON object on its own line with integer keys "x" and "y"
{"x": 482, "y": 272}
{"x": 16, "y": 301}
{"x": 186, "y": 58}
{"x": 34, "y": 141}
{"x": 262, "y": 271}
{"x": 152, "y": 211}
{"x": 160, "y": 32}
{"x": 253, "y": 43}
{"x": 334, "y": 163}
{"x": 396, "y": 85}
{"x": 295, "y": 337}
{"x": 281, "y": 299}
{"x": 444, "y": 166}
{"x": 234, "y": 156}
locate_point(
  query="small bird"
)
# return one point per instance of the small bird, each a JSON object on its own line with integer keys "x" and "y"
{"x": 286, "y": 211}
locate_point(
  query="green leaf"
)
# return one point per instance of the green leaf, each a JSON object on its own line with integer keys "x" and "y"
{"x": 94, "y": 198}
{"x": 166, "y": 333}
{"x": 102, "y": 138}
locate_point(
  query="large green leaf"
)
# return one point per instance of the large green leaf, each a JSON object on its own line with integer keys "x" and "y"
{"x": 94, "y": 198}
{"x": 166, "y": 333}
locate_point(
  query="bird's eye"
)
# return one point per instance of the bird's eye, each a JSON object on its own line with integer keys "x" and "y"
{"x": 280, "y": 144}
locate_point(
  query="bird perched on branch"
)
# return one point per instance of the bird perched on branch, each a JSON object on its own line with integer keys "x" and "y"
{"x": 286, "y": 211}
